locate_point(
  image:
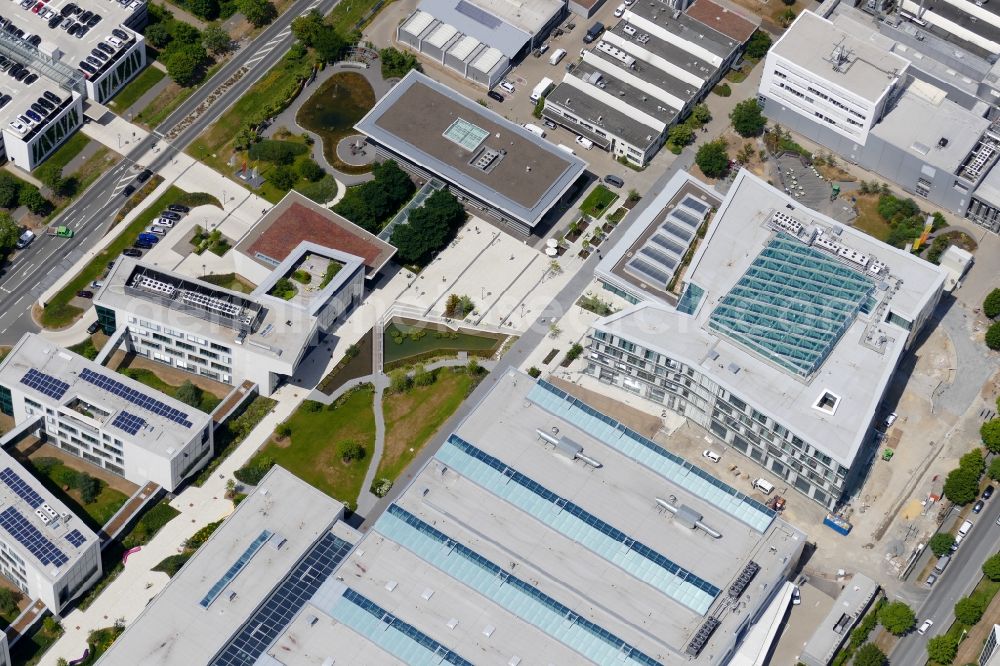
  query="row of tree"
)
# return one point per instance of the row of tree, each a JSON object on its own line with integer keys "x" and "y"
{"x": 371, "y": 204}
{"x": 991, "y": 308}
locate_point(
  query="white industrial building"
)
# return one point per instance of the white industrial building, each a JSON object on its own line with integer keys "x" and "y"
{"x": 788, "y": 332}
{"x": 109, "y": 420}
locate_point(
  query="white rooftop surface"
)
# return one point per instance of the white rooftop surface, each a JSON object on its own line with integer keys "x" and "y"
{"x": 441, "y": 34}
{"x": 161, "y": 435}
{"x": 616, "y": 597}
{"x": 464, "y": 47}
{"x": 418, "y": 22}
{"x": 487, "y": 60}
{"x": 74, "y": 50}
{"x": 274, "y": 333}
{"x": 55, "y": 531}
{"x": 175, "y": 629}
{"x": 854, "y": 372}
{"x": 528, "y": 15}
{"x": 922, "y": 117}
{"x": 811, "y": 40}
{"x": 23, "y": 97}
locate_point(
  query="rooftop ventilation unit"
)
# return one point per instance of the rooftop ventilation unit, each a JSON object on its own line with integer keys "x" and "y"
{"x": 569, "y": 448}
{"x": 742, "y": 581}
{"x": 786, "y": 222}
{"x": 154, "y": 285}
{"x": 698, "y": 641}
{"x": 616, "y": 53}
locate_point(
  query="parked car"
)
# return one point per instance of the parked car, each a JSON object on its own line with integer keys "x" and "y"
{"x": 711, "y": 455}
{"x": 178, "y": 208}
{"x": 925, "y": 626}
{"x": 170, "y": 215}
{"x": 889, "y": 420}
{"x": 94, "y": 327}
{"x": 85, "y": 293}
{"x": 132, "y": 252}
{"x": 154, "y": 229}
{"x": 548, "y": 123}
{"x": 931, "y": 579}
{"x": 988, "y": 492}
{"x": 142, "y": 245}
{"x": 978, "y": 506}
{"x": 613, "y": 180}
{"x": 494, "y": 95}
{"x": 508, "y": 86}
{"x": 796, "y": 596}
{"x": 164, "y": 222}
{"x": 144, "y": 175}
{"x": 585, "y": 142}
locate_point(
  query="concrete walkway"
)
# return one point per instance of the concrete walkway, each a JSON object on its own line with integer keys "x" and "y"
{"x": 287, "y": 118}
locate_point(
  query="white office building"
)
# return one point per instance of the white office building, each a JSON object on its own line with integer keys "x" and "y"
{"x": 107, "y": 419}
{"x": 785, "y": 339}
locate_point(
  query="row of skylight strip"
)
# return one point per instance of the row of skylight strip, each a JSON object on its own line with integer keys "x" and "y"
{"x": 236, "y": 567}
{"x": 575, "y": 523}
{"x": 498, "y": 585}
{"x": 646, "y": 452}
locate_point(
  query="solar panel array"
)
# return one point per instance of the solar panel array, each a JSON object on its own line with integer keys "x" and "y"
{"x": 21, "y": 488}
{"x": 31, "y": 538}
{"x": 45, "y": 384}
{"x": 76, "y": 538}
{"x": 135, "y": 397}
{"x": 128, "y": 422}
{"x": 478, "y": 15}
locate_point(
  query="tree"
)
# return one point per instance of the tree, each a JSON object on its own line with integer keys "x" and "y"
{"x": 183, "y": 33}
{"x": 255, "y": 470}
{"x": 423, "y": 377}
{"x": 942, "y": 649}
{"x": 283, "y": 430}
{"x": 758, "y": 44}
{"x": 747, "y": 118}
{"x": 283, "y": 177}
{"x": 305, "y": 28}
{"x": 869, "y": 655}
{"x": 994, "y": 469}
{"x": 428, "y": 228}
{"x": 157, "y": 35}
{"x": 941, "y": 543}
{"x": 51, "y": 176}
{"x": 216, "y": 40}
{"x": 206, "y": 9}
{"x": 32, "y": 198}
{"x": 329, "y": 45}
{"x": 10, "y": 187}
{"x": 993, "y": 336}
{"x": 454, "y": 302}
{"x": 991, "y": 567}
{"x": 189, "y": 394}
{"x": 258, "y": 12}
{"x": 969, "y": 610}
{"x": 9, "y": 599}
{"x": 712, "y": 159}
{"x": 681, "y": 134}
{"x": 701, "y": 114}
{"x": 311, "y": 171}
{"x": 89, "y": 488}
{"x": 351, "y": 451}
{"x": 973, "y": 461}
{"x": 186, "y": 63}
{"x": 897, "y": 618}
{"x": 961, "y": 486}
{"x": 9, "y": 232}
{"x": 396, "y": 63}
{"x": 991, "y": 304}
{"x": 400, "y": 381}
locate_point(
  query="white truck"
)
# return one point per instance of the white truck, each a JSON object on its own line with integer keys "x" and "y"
{"x": 542, "y": 89}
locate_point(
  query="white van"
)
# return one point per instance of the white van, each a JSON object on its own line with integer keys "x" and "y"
{"x": 585, "y": 142}
{"x": 535, "y": 129}
{"x": 556, "y": 56}
{"x": 964, "y": 529}
{"x": 565, "y": 149}
{"x": 620, "y": 10}
{"x": 763, "y": 486}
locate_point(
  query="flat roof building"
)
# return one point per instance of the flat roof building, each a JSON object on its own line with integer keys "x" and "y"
{"x": 45, "y": 550}
{"x": 796, "y": 388}
{"x": 106, "y": 418}
{"x": 854, "y": 599}
{"x": 490, "y": 163}
{"x": 225, "y": 335}
{"x": 243, "y": 586}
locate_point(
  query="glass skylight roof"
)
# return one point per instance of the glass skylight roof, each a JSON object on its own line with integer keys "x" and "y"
{"x": 792, "y": 305}
{"x": 466, "y": 134}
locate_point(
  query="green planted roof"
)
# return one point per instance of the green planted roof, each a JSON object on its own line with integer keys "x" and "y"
{"x": 792, "y": 305}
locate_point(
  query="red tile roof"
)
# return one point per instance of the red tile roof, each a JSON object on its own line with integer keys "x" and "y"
{"x": 721, "y": 19}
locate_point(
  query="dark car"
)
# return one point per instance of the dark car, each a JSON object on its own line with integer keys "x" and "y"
{"x": 107, "y": 49}
{"x": 4, "y": 100}
{"x": 142, "y": 245}
{"x": 548, "y": 123}
{"x": 129, "y": 189}
{"x": 170, "y": 215}
{"x": 45, "y": 104}
{"x": 144, "y": 176}
{"x": 22, "y": 75}
{"x": 67, "y": 9}
{"x": 132, "y": 252}
{"x": 34, "y": 116}
{"x": 94, "y": 327}
{"x": 31, "y": 78}
{"x": 121, "y": 34}
{"x": 52, "y": 97}
{"x": 988, "y": 492}
{"x": 493, "y": 94}
{"x": 978, "y": 506}
{"x": 55, "y": 20}
{"x": 73, "y": 28}
{"x": 84, "y": 293}
{"x": 35, "y": 40}
{"x": 178, "y": 208}
{"x": 85, "y": 16}
{"x": 94, "y": 20}
{"x": 99, "y": 54}
{"x": 39, "y": 109}
{"x": 614, "y": 180}
{"x": 83, "y": 30}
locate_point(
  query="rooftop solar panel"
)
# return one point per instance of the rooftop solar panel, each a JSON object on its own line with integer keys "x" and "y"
{"x": 647, "y": 271}
{"x": 75, "y": 538}
{"x": 135, "y": 397}
{"x": 478, "y": 15}
{"x": 31, "y": 538}
{"x": 45, "y": 384}
{"x": 695, "y": 205}
{"x": 129, "y": 423}
{"x": 21, "y": 487}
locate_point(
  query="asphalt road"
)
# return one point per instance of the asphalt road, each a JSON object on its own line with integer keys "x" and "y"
{"x": 33, "y": 270}
{"x": 958, "y": 580}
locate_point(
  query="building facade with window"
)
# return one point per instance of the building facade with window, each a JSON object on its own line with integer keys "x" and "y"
{"x": 783, "y": 343}
{"x": 103, "y": 417}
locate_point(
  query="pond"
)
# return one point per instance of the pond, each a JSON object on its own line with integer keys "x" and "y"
{"x": 332, "y": 111}
{"x": 415, "y": 340}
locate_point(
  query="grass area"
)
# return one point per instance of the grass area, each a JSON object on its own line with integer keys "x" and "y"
{"x": 29, "y": 650}
{"x": 138, "y": 87}
{"x": 409, "y": 343}
{"x": 233, "y": 432}
{"x": 209, "y": 401}
{"x": 412, "y": 418}
{"x": 868, "y": 220}
{"x": 66, "y": 152}
{"x": 60, "y": 479}
{"x": 598, "y": 201}
{"x": 86, "y": 349}
{"x": 346, "y": 15}
{"x": 230, "y": 281}
{"x": 736, "y": 75}
{"x": 151, "y": 522}
{"x": 168, "y": 100}
{"x": 311, "y": 452}
{"x": 58, "y": 312}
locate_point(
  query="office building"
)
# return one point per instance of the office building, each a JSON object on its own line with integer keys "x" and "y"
{"x": 229, "y": 336}
{"x": 990, "y": 656}
{"x": 45, "y": 550}
{"x": 62, "y": 65}
{"x": 646, "y": 73}
{"x": 785, "y": 339}
{"x": 109, "y": 420}
{"x": 855, "y": 598}
{"x": 497, "y": 168}
{"x": 245, "y": 584}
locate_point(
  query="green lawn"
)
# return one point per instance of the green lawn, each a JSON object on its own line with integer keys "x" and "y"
{"x": 598, "y": 201}
{"x": 166, "y": 102}
{"x": 137, "y": 88}
{"x": 208, "y": 400}
{"x": 412, "y": 418}
{"x": 85, "y": 349}
{"x": 58, "y": 312}
{"x": 233, "y": 432}
{"x": 230, "y": 281}
{"x": 868, "y": 219}
{"x": 151, "y": 522}
{"x": 56, "y": 476}
{"x": 311, "y": 451}
{"x": 346, "y": 15}
{"x": 73, "y": 147}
